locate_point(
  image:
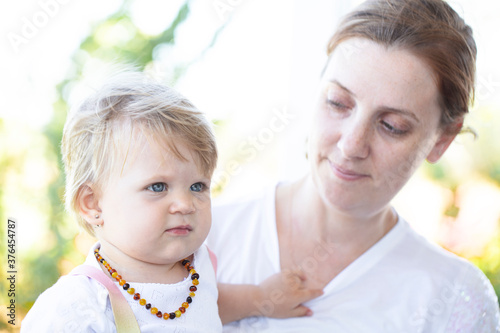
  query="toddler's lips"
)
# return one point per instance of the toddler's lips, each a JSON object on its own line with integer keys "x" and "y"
{"x": 180, "y": 230}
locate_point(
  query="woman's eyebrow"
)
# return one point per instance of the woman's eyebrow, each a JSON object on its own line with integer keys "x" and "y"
{"x": 341, "y": 86}
{"x": 402, "y": 111}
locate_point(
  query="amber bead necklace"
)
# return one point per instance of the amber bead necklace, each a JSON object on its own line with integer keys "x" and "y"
{"x": 172, "y": 315}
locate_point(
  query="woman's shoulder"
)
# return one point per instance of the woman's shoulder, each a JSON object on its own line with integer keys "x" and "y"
{"x": 73, "y": 301}
{"x": 476, "y": 307}
{"x": 242, "y": 230}
{"x": 425, "y": 253}
{"x": 460, "y": 283}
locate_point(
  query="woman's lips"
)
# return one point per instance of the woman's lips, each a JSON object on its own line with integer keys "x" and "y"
{"x": 346, "y": 174}
{"x": 180, "y": 230}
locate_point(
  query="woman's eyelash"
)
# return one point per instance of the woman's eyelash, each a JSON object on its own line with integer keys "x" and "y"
{"x": 392, "y": 129}
{"x": 336, "y": 104}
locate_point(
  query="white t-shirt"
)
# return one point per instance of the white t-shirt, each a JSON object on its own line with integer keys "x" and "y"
{"x": 76, "y": 303}
{"x": 402, "y": 284}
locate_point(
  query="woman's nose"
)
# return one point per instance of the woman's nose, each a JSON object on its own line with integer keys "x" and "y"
{"x": 354, "y": 141}
{"x": 181, "y": 203}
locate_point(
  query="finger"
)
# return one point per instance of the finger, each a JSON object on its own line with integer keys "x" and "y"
{"x": 302, "y": 311}
{"x": 293, "y": 279}
{"x": 299, "y": 272}
{"x": 314, "y": 293}
{"x": 294, "y": 272}
{"x": 309, "y": 294}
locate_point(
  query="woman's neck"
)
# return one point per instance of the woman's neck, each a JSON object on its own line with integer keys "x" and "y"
{"x": 323, "y": 222}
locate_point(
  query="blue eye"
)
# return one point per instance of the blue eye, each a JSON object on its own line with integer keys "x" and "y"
{"x": 157, "y": 187}
{"x": 197, "y": 187}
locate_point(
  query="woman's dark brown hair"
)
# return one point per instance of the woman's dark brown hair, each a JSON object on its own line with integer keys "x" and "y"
{"x": 431, "y": 30}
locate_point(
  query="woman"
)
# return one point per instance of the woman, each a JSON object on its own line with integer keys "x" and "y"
{"x": 398, "y": 97}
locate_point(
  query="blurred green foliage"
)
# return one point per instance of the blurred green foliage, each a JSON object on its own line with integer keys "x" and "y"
{"x": 490, "y": 264}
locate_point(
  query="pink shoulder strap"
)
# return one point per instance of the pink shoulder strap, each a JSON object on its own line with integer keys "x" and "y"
{"x": 124, "y": 316}
{"x": 213, "y": 259}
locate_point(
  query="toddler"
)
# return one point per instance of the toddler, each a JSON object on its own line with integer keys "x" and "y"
{"x": 138, "y": 159}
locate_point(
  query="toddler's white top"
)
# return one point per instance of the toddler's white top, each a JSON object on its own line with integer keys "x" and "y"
{"x": 76, "y": 303}
{"x": 402, "y": 284}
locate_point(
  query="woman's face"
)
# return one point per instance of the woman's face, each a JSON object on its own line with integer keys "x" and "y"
{"x": 376, "y": 120}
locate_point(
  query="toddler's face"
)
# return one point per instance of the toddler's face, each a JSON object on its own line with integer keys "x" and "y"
{"x": 157, "y": 208}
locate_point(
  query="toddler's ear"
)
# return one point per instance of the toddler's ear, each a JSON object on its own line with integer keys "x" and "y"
{"x": 88, "y": 205}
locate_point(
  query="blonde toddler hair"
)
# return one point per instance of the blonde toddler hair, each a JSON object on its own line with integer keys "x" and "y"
{"x": 93, "y": 134}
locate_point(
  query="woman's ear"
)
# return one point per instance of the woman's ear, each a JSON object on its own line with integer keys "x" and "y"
{"x": 88, "y": 205}
{"x": 445, "y": 139}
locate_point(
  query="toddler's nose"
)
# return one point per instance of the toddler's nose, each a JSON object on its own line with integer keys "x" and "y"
{"x": 181, "y": 204}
